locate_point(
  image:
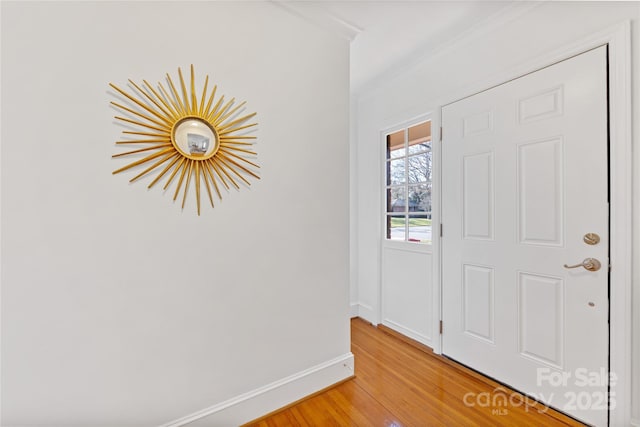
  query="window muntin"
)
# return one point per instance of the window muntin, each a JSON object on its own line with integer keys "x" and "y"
{"x": 408, "y": 184}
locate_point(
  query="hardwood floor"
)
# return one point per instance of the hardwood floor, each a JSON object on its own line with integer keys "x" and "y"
{"x": 398, "y": 384}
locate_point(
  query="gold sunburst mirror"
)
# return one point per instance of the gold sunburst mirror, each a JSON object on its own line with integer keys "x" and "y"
{"x": 195, "y": 139}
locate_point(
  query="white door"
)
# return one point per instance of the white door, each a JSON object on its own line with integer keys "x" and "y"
{"x": 525, "y": 179}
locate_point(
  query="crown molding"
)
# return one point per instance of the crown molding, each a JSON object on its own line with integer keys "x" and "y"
{"x": 429, "y": 53}
{"x": 311, "y": 12}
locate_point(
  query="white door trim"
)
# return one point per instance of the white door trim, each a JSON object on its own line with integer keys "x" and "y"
{"x": 618, "y": 38}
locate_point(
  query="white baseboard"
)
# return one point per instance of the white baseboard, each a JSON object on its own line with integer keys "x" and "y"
{"x": 261, "y": 401}
{"x": 354, "y": 310}
{"x": 366, "y": 312}
{"x": 406, "y": 331}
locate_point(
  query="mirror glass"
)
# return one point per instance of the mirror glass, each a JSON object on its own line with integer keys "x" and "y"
{"x": 195, "y": 138}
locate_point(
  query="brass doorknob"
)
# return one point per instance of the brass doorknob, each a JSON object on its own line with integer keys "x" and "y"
{"x": 590, "y": 264}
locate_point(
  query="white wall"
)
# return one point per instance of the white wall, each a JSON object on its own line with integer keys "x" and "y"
{"x": 120, "y": 310}
{"x": 517, "y": 37}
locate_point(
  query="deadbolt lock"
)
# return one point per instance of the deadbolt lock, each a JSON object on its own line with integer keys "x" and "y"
{"x": 591, "y": 239}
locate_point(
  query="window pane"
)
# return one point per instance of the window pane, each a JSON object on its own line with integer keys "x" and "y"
{"x": 420, "y": 131}
{"x": 398, "y": 152}
{"x": 408, "y": 184}
{"x": 420, "y": 198}
{"x": 395, "y": 172}
{"x": 396, "y": 227}
{"x": 420, "y": 137}
{"x": 419, "y": 148}
{"x": 420, "y": 228}
{"x": 419, "y": 168}
{"x": 395, "y": 145}
{"x": 396, "y": 197}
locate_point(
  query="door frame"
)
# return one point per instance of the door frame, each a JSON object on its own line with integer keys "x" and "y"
{"x": 618, "y": 39}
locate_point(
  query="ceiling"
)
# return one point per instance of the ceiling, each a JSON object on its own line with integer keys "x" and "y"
{"x": 387, "y": 33}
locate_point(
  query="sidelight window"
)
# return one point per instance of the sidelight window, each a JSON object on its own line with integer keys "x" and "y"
{"x": 408, "y": 186}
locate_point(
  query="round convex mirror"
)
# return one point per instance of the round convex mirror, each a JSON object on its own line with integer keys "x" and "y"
{"x": 195, "y": 138}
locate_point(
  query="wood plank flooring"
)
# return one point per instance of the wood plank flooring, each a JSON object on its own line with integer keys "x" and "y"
{"x": 400, "y": 385}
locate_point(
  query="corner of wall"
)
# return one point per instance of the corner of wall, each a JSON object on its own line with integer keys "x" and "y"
{"x": 354, "y": 310}
{"x": 353, "y": 205}
{"x": 367, "y": 313}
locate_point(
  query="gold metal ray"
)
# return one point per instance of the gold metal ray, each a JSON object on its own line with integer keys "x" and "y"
{"x": 216, "y": 162}
{"x": 153, "y": 166}
{"x": 207, "y": 109}
{"x": 176, "y": 97}
{"x": 185, "y": 97}
{"x": 124, "y": 119}
{"x": 226, "y": 132}
{"x": 222, "y": 138}
{"x": 207, "y": 167}
{"x": 166, "y": 115}
{"x": 177, "y": 168}
{"x": 161, "y": 174}
{"x": 218, "y": 174}
{"x": 204, "y": 95}
{"x": 239, "y": 158}
{"x": 223, "y": 162}
{"x": 206, "y": 181}
{"x": 242, "y": 150}
{"x": 168, "y": 98}
{"x": 186, "y": 185}
{"x": 154, "y": 116}
{"x": 184, "y": 170}
{"x": 194, "y": 100}
{"x": 139, "y": 114}
{"x": 197, "y": 178}
{"x": 155, "y": 147}
{"x": 159, "y": 135}
{"x": 214, "y": 119}
{"x": 170, "y": 111}
{"x": 135, "y": 101}
{"x": 230, "y": 113}
{"x": 146, "y": 141}
{"x": 144, "y": 160}
{"x": 239, "y": 166}
{"x": 234, "y": 143}
{"x": 235, "y": 122}
{"x": 214, "y": 110}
